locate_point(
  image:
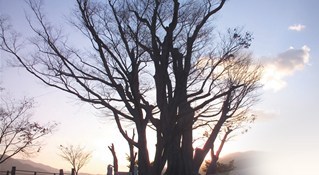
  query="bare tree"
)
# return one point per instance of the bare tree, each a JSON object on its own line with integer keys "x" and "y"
{"x": 77, "y": 156}
{"x": 132, "y": 156}
{"x": 236, "y": 125}
{"x": 115, "y": 160}
{"x": 154, "y": 63}
{"x": 18, "y": 133}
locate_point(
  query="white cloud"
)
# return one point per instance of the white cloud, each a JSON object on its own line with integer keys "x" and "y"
{"x": 297, "y": 27}
{"x": 264, "y": 115}
{"x": 283, "y": 65}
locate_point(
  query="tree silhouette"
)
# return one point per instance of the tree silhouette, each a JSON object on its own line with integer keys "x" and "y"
{"x": 157, "y": 64}
{"x": 75, "y": 155}
{"x": 223, "y": 168}
{"x": 18, "y": 133}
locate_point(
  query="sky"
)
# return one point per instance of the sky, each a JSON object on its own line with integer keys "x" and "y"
{"x": 286, "y": 42}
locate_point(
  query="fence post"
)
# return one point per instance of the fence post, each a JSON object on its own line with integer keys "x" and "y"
{"x": 73, "y": 171}
{"x": 35, "y": 173}
{"x": 8, "y": 172}
{"x": 13, "y": 170}
{"x": 61, "y": 172}
{"x": 135, "y": 170}
{"x": 109, "y": 170}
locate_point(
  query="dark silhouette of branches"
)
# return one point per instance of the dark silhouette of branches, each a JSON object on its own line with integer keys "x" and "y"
{"x": 153, "y": 63}
{"x": 77, "y": 156}
{"x": 18, "y": 133}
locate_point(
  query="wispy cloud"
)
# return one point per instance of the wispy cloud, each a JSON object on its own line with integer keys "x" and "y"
{"x": 297, "y": 27}
{"x": 264, "y": 115}
{"x": 283, "y": 65}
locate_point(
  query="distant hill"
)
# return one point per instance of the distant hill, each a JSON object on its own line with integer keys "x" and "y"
{"x": 27, "y": 165}
{"x": 245, "y": 163}
{"x": 243, "y": 159}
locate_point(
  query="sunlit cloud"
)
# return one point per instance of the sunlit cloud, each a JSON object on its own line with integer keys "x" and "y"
{"x": 264, "y": 115}
{"x": 275, "y": 69}
{"x": 284, "y": 65}
{"x": 297, "y": 27}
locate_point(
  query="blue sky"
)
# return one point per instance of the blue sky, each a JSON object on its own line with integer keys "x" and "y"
{"x": 286, "y": 42}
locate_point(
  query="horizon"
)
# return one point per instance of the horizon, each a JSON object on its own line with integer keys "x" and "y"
{"x": 27, "y": 162}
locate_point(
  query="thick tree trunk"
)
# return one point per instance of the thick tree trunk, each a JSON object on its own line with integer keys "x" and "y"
{"x": 174, "y": 163}
{"x": 187, "y": 151}
{"x": 180, "y": 155}
{"x": 143, "y": 156}
{"x": 187, "y": 140}
{"x": 160, "y": 155}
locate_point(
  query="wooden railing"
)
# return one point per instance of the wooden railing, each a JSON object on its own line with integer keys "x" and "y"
{"x": 15, "y": 171}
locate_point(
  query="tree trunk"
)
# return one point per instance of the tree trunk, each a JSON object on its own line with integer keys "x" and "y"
{"x": 133, "y": 154}
{"x": 174, "y": 160}
{"x": 187, "y": 151}
{"x": 201, "y": 153}
{"x": 187, "y": 140}
{"x": 115, "y": 161}
{"x": 180, "y": 155}
{"x": 143, "y": 156}
{"x": 160, "y": 154}
{"x": 212, "y": 168}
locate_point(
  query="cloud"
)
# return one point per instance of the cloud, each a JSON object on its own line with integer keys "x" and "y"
{"x": 264, "y": 115}
{"x": 284, "y": 65}
{"x": 297, "y": 27}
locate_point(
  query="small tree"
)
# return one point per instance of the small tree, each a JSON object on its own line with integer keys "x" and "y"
{"x": 220, "y": 167}
{"x": 76, "y": 156}
{"x": 18, "y": 134}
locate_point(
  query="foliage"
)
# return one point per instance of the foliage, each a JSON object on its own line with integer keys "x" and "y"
{"x": 221, "y": 167}
{"x": 128, "y": 158}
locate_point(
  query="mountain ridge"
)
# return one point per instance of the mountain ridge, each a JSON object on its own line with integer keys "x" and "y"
{"x": 26, "y": 165}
